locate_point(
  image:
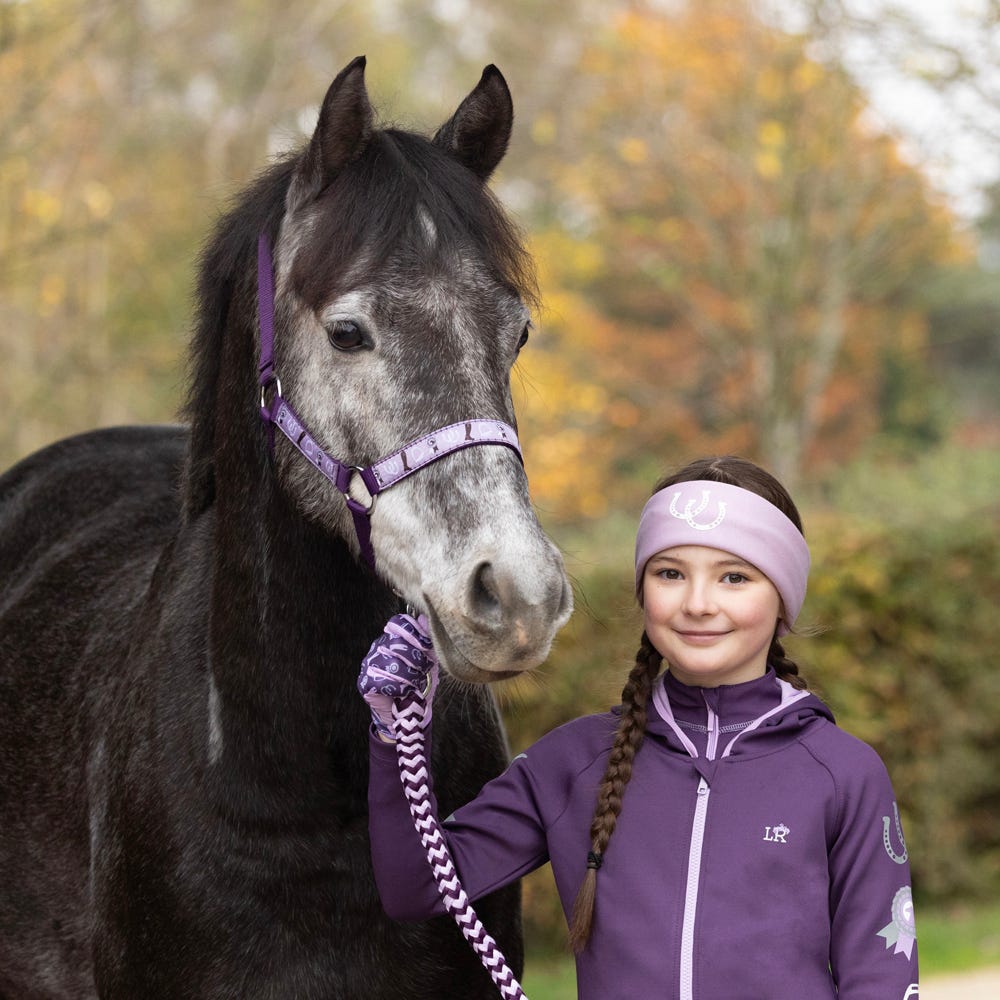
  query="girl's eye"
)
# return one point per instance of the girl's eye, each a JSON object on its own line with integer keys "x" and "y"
{"x": 346, "y": 335}
{"x": 669, "y": 574}
{"x": 735, "y": 578}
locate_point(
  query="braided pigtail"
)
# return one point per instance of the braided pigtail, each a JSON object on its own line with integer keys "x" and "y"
{"x": 786, "y": 669}
{"x": 628, "y": 739}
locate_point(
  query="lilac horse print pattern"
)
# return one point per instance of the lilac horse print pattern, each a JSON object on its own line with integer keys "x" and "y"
{"x": 418, "y": 454}
{"x": 183, "y": 609}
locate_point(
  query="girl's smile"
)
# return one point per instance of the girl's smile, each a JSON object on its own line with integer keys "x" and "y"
{"x": 710, "y": 614}
{"x": 700, "y": 638}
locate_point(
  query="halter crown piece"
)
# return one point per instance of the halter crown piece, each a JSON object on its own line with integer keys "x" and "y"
{"x": 384, "y": 472}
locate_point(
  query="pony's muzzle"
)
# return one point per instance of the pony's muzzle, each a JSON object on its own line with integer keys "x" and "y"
{"x": 506, "y": 621}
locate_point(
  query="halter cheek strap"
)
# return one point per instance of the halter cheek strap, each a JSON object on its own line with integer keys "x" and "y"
{"x": 384, "y": 472}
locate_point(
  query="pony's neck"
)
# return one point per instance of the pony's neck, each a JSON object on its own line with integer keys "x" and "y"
{"x": 292, "y": 615}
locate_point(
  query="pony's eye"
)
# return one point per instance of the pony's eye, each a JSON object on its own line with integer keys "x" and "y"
{"x": 346, "y": 335}
{"x": 525, "y": 333}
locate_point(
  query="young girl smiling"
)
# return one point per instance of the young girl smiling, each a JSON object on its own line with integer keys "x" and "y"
{"x": 716, "y": 837}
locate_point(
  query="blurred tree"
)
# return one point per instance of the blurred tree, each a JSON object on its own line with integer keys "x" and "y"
{"x": 128, "y": 124}
{"x": 734, "y": 246}
{"x": 964, "y": 303}
{"x": 941, "y": 58}
{"x": 54, "y": 208}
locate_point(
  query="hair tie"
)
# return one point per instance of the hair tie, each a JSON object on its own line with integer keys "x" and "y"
{"x": 594, "y": 860}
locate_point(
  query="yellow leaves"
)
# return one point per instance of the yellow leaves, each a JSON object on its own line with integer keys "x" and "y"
{"x": 807, "y": 75}
{"x": 42, "y": 209}
{"x": 543, "y": 129}
{"x": 41, "y": 206}
{"x": 565, "y": 414}
{"x": 770, "y": 85}
{"x": 771, "y": 134}
{"x": 51, "y": 295}
{"x": 98, "y": 200}
{"x": 636, "y": 31}
{"x": 767, "y": 163}
{"x": 633, "y": 151}
{"x": 560, "y": 256}
{"x": 564, "y": 475}
{"x": 774, "y": 84}
{"x": 771, "y": 143}
{"x": 14, "y": 169}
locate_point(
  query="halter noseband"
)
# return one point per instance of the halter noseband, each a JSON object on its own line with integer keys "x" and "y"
{"x": 384, "y": 472}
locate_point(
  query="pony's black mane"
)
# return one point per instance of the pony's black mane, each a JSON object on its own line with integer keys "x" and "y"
{"x": 226, "y": 276}
{"x": 372, "y": 206}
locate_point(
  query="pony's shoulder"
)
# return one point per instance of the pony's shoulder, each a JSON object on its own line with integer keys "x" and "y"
{"x": 103, "y": 449}
{"x": 100, "y": 471}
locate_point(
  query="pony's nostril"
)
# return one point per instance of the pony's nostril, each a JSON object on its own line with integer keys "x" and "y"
{"x": 485, "y": 596}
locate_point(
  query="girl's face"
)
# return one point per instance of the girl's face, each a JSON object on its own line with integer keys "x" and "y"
{"x": 710, "y": 614}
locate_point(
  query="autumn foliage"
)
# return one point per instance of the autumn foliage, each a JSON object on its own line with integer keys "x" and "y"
{"x": 732, "y": 259}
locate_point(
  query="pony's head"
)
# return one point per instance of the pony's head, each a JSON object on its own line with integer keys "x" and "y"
{"x": 402, "y": 297}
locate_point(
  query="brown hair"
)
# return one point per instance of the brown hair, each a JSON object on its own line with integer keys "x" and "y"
{"x": 638, "y": 688}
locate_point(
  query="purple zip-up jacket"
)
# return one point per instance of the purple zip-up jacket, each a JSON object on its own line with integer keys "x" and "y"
{"x": 758, "y": 854}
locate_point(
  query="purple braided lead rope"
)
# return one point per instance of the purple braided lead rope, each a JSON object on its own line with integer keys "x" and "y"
{"x": 408, "y": 716}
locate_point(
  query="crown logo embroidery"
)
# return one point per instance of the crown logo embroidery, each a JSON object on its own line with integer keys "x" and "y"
{"x": 690, "y": 512}
{"x": 777, "y": 834}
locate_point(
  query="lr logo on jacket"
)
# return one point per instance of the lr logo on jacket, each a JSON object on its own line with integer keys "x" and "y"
{"x": 777, "y": 834}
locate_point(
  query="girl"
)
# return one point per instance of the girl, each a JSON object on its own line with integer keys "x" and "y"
{"x": 716, "y": 837}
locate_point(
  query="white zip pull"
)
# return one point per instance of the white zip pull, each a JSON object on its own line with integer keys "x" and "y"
{"x": 703, "y": 787}
{"x": 712, "y": 743}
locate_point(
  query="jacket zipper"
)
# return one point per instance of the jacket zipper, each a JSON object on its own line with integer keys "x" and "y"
{"x": 691, "y": 893}
{"x": 712, "y": 743}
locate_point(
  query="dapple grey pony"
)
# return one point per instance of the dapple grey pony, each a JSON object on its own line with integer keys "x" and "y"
{"x": 183, "y": 756}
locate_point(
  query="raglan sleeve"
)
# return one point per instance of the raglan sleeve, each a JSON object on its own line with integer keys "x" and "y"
{"x": 873, "y": 952}
{"x": 494, "y": 839}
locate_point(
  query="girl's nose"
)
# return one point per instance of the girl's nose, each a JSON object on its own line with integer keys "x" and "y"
{"x": 698, "y": 599}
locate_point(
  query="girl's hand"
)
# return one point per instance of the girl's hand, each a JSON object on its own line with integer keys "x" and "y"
{"x": 400, "y": 664}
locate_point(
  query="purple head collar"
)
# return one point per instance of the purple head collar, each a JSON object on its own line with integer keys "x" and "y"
{"x": 734, "y": 520}
{"x": 384, "y": 472}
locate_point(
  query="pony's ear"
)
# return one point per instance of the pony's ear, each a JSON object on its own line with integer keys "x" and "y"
{"x": 342, "y": 133}
{"x": 478, "y": 132}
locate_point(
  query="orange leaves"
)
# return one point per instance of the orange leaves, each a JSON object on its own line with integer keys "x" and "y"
{"x": 755, "y": 248}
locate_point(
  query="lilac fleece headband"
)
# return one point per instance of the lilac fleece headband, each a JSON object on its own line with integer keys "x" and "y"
{"x": 732, "y": 519}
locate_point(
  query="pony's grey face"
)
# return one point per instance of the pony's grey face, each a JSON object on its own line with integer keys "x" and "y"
{"x": 394, "y": 320}
{"x": 394, "y": 351}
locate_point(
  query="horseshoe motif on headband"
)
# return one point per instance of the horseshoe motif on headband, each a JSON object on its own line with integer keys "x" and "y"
{"x": 690, "y": 514}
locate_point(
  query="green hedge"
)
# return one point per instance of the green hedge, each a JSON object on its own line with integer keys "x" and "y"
{"x": 903, "y": 616}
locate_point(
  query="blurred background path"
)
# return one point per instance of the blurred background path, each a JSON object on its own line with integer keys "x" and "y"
{"x": 983, "y": 984}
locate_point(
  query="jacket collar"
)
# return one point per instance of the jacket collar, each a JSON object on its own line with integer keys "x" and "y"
{"x": 762, "y": 709}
